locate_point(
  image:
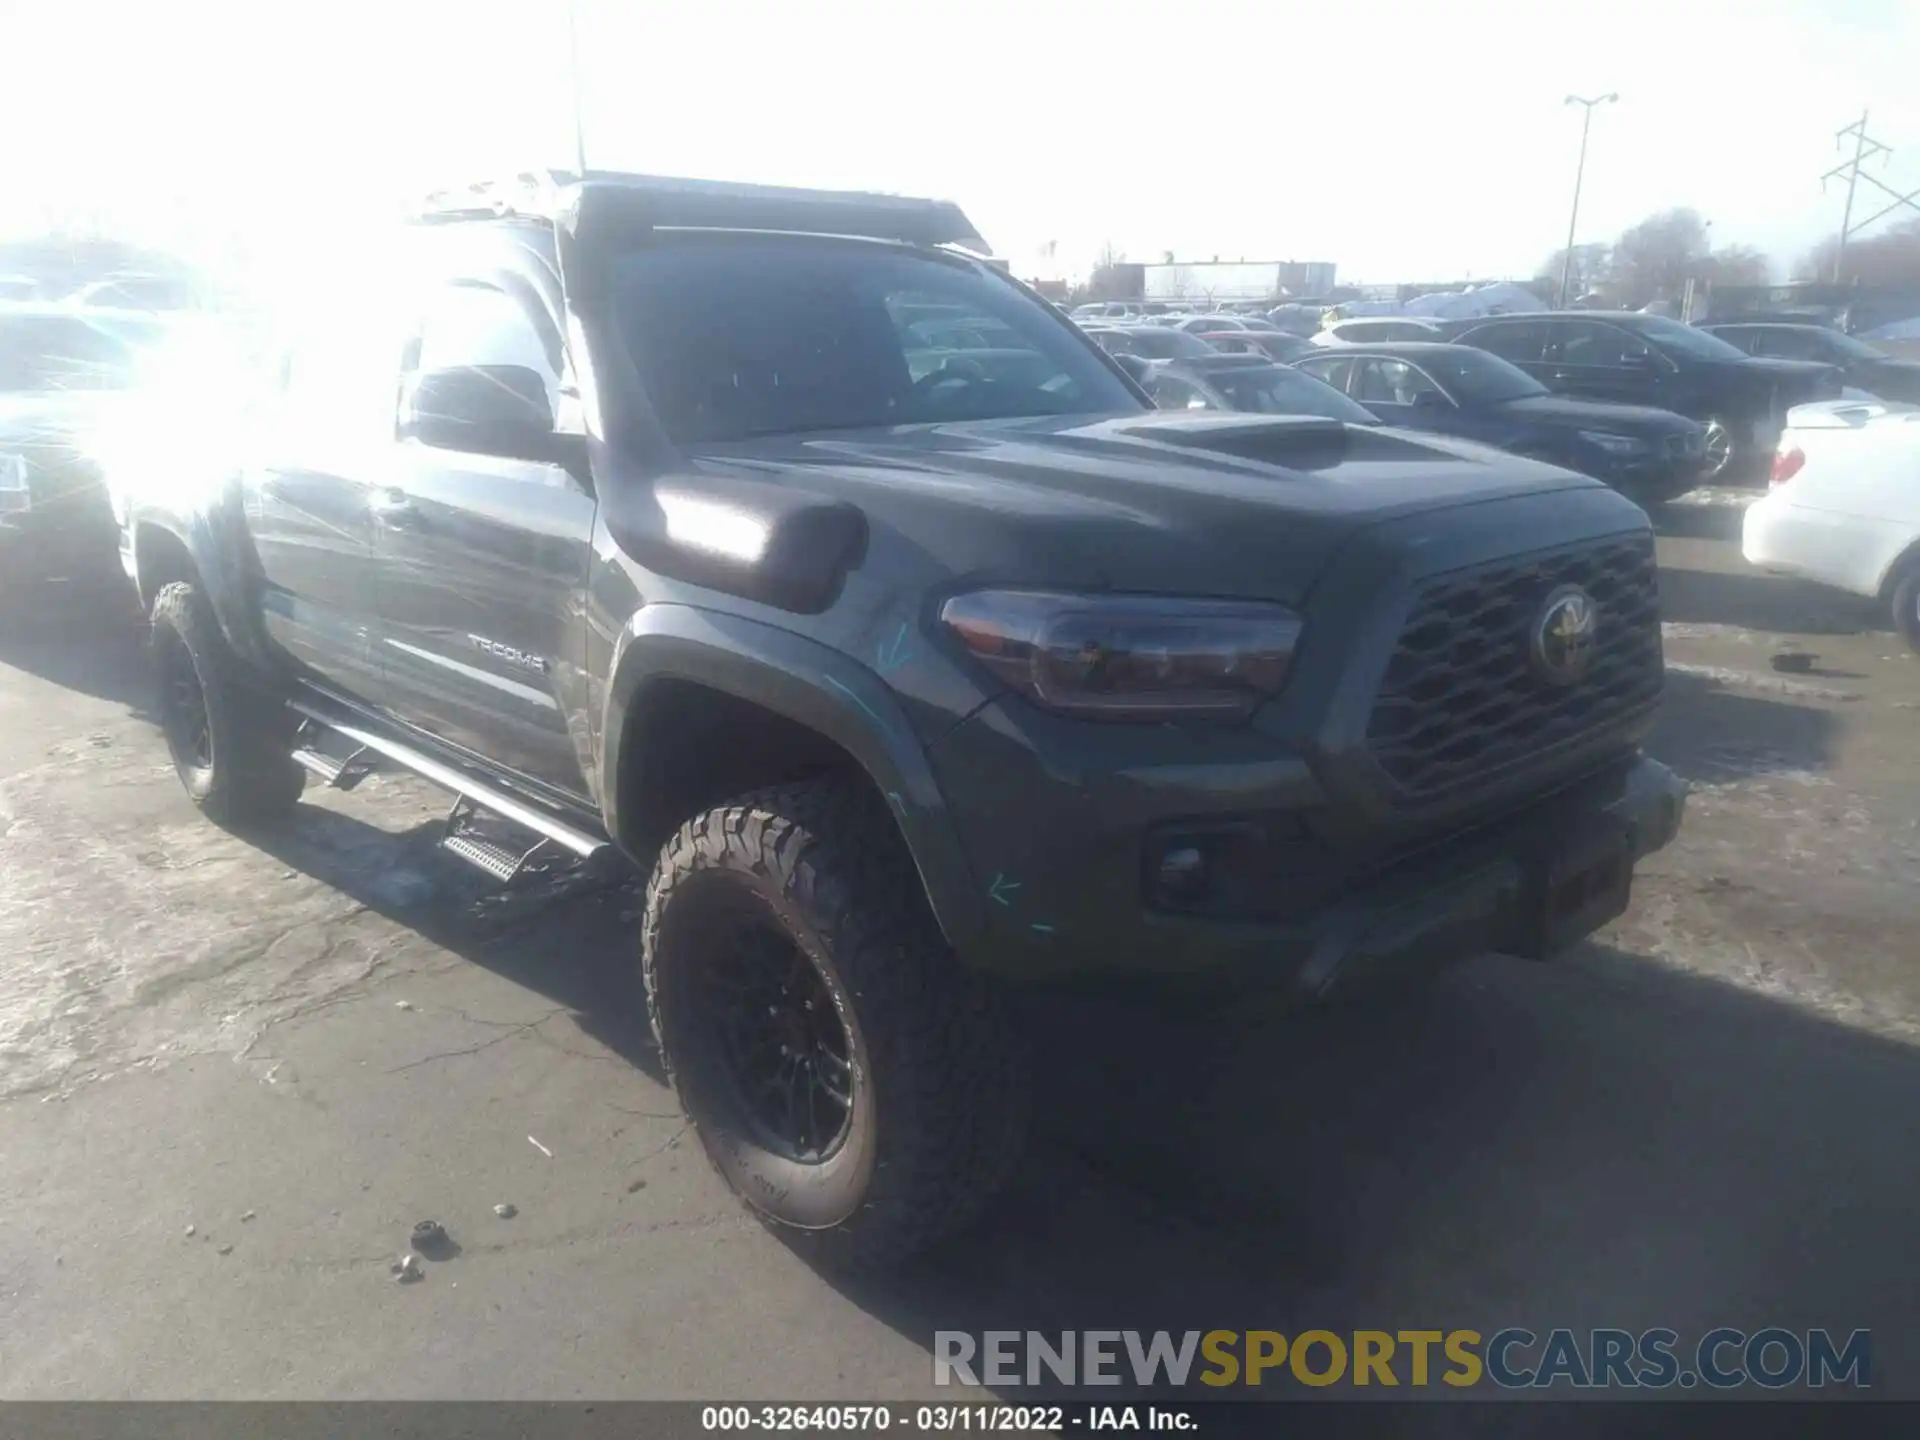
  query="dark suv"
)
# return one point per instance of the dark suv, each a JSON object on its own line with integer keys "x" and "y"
{"x": 1652, "y": 360}
{"x": 640, "y": 515}
{"x": 1859, "y": 364}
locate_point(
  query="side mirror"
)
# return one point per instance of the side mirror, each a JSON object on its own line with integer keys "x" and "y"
{"x": 499, "y": 410}
{"x": 1134, "y": 366}
{"x": 1429, "y": 401}
{"x": 1643, "y": 362}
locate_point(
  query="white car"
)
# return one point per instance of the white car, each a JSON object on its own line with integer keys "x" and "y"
{"x": 1844, "y": 505}
{"x": 1381, "y": 330}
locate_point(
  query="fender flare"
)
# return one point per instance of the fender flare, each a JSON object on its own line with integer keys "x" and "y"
{"x": 812, "y": 685}
{"x": 215, "y": 538}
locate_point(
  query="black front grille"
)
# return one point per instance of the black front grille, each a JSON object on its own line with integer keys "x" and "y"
{"x": 1462, "y": 697}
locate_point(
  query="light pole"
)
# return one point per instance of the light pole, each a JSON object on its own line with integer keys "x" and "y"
{"x": 1580, "y": 171}
{"x": 573, "y": 75}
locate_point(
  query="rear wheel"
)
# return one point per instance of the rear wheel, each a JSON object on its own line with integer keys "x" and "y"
{"x": 232, "y": 744}
{"x": 1906, "y": 604}
{"x": 858, "y": 1088}
{"x": 1720, "y": 456}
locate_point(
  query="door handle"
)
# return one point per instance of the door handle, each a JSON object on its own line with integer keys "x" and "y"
{"x": 391, "y": 506}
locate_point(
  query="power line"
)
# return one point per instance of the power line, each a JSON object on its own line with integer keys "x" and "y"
{"x": 1865, "y": 148}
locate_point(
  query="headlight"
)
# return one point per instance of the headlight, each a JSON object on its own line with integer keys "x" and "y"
{"x": 1614, "y": 444}
{"x": 1129, "y": 657}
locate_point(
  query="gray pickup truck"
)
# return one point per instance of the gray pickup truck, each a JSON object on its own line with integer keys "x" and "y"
{"x": 647, "y": 521}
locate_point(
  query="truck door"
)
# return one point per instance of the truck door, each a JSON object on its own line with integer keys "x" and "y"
{"x": 306, "y": 496}
{"x": 483, "y": 559}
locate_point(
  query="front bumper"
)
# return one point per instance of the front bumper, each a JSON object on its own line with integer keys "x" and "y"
{"x": 1069, "y": 896}
{"x": 1656, "y": 474}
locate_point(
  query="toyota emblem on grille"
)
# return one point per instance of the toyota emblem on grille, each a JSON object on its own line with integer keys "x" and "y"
{"x": 1563, "y": 635}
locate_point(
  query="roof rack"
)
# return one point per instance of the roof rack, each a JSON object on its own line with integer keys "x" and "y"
{"x": 671, "y": 203}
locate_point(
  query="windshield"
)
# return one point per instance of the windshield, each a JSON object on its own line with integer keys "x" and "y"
{"x": 1477, "y": 377}
{"x": 750, "y": 335}
{"x": 45, "y": 353}
{"x": 1681, "y": 339}
{"x": 1276, "y": 390}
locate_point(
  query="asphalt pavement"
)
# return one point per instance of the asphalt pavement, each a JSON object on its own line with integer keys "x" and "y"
{"x": 236, "y": 1071}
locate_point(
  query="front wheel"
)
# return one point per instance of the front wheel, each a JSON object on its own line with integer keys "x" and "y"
{"x": 858, "y": 1088}
{"x": 1720, "y": 452}
{"x": 231, "y": 744}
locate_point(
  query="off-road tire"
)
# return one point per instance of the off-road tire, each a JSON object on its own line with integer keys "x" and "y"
{"x": 248, "y": 775}
{"x": 1906, "y": 604}
{"x": 939, "y": 1093}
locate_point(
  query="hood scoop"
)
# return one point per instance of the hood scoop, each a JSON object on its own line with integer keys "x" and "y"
{"x": 1292, "y": 441}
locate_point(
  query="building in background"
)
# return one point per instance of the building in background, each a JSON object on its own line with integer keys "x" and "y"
{"x": 1219, "y": 282}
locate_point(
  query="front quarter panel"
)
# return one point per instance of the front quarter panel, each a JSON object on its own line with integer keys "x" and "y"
{"x": 821, "y": 688}
{"x": 212, "y": 527}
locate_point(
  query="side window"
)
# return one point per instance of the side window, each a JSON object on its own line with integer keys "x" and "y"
{"x": 1589, "y": 342}
{"x": 1171, "y": 393}
{"x": 1335, "y": 372}
{"x": 1522, "y": 342}
{"x": 338, "y": 377}
{"x": 1785, "y": 345}
{"x": 470, "y": 323}
{"x": 1360, "y": 334}
{"x": 1752, "y": 341}
{"x": 1388, "y": 382}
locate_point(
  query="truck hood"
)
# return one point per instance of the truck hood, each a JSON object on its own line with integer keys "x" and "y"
{"x": 1230, "y": 505}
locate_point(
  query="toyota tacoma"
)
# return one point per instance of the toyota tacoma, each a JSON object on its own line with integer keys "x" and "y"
{"x": 665, "y": 519}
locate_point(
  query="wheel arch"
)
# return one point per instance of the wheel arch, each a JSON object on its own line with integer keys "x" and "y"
{"x": 702, "y": 705}
{"x": 1901, "y": 563}
{"x": 204, "y": 547}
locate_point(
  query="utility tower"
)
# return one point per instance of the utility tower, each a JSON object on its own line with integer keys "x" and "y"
{"x": 1865, "y": 148}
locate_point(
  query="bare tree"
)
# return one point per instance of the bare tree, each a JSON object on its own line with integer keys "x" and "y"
{"x": 1108, "y": 280}
{"x": 1655, "y": 259}
{"x": 1588, "y": 272}
{"x": 1737, "y": 265}
{"x": 1891, "y": 258}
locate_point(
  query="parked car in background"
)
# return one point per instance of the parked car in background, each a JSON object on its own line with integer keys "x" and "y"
{"x": 1861, "y": 365}
{"x": 63, "y": 372}
{"x": 1377, "y": 330}
{"x": 1220, "y": 320}
{"x": 1268, "y": 344}
{"x": 1149, "y": 342}
{"x": 1650, "y": 455}
{"x": 1652, "y": 360}
{"x": 1248, "y": 383}
{"x": 1843, "y": 506}
{"x": 1297, "y": 317}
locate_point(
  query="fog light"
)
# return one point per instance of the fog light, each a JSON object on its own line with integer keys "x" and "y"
{"x": 1182, "y": 878}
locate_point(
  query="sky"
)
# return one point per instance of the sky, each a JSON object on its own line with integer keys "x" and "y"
{"x": 1400, "y": 139}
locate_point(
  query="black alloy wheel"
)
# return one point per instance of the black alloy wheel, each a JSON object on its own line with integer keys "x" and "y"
{"x": 779, "y": 1041}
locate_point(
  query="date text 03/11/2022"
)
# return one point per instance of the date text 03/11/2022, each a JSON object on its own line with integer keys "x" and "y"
{"x": 945, "y": 1418}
